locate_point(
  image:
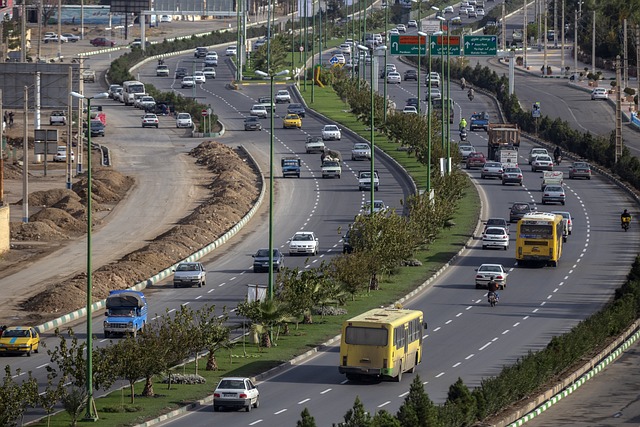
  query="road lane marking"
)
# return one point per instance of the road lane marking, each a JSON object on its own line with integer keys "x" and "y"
{"x": 304, "y": 401}
{"x": 457, "y": 364}
{"x": 440, "y": 374}
{"x": 484, "y": 346}
{"x": 384, "y": 404}
{"x": 469, "y": 356}
{"x": 325, "y": 391}
{"x": 280, "y": 411}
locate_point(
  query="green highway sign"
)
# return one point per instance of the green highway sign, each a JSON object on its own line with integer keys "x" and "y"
{"x": 408, "y": 45}
{"x": 480, "y": 45}
{"x": 439, "y": 45}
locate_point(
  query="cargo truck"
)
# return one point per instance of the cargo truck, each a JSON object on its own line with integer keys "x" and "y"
{"x": 500, "y": 135}
{"x": 126, "y": 313}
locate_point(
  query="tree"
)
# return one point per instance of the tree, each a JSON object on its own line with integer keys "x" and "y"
{"x": 306, "y": 419}
{"x": 264, "y": 315}
{"x": 15, "y": 398}
{"x": 51, "y": 395}
{"x": 417, "y": 410}
{"x": 384, "y": 419}
{"x": 356, "y": 416}
{"x": 130, "y": 356}
{"x": 212, "y": 333}
{"x": 462, "y": 404}
{"x": 278, "y": 55}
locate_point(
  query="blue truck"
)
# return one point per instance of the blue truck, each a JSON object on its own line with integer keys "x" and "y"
{"x": 290, "y": 167}
{"x": 126, "y": 313}
{"x": 479, "y": 121}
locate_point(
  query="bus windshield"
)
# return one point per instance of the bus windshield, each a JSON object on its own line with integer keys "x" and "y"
{"x": 366, "y": 336}
{"x": 136, "y": 88}
{"x": 536, "y": 231}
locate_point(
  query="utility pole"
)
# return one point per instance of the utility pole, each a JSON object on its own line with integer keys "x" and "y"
{"x": 625, "y": 58}
{"x": 1, "y": 154}
{"x": 525, "y": 35}
{"x": 575, "y": 42}
{"x": 504, "y": 29}
{"x": 638, "y": 59}
{"x": 544, "y": 36}
{"x": 555, "y": 23}
{"x": 618, "y": 150}
{"x": 23, "y": 30}
{"x": 70, "y": 131}
{"x": 25, "y": 158}
{"x": 593, "y": 45}
{"x": 59, "y": 29}
{"x": 562, "y": 40}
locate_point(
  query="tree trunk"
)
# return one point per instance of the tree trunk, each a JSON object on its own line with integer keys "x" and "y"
{"x": 266, "y": 340}
{"x": 133, "y": 393}
{"x": 148, "y": 388}
{"x": 212, "y": 363}
{"x": 307, "y": 318}
{"x": 286, "y": 329}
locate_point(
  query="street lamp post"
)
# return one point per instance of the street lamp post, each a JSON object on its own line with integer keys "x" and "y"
{"x": 421, "y": 34}
{"x": 364, "y": 49}
{"x": 91, "y": 414}
{"x": 271, "y": 76}
{"x": 386, "y": 36}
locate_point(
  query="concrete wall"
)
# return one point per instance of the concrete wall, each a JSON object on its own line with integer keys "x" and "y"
{"x": 5, "y": 235}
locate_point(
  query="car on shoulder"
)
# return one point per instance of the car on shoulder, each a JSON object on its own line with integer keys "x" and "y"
{"x": 361, "y": 151}
{"x": 567, "y": 217}
{"x": 495, "y": 237}
{"x": 394, "y": 77}
{"x": 209, "y": 72}
{"x": 180, "y": 72}
{"x": 261, "y": 260}
{"x": 258, "y": 110}
{"x": 487, "y": 272}
{"x": 492, "y": 170}
{"x": 198, "y": 77}
{"x": 187, "y": 82}
{"x": 236, "y": 393}
{"x": 580, "y": 170}
{"x": 303, "y": 242}
{"x": 150, "y": 120}
{"x": 465, "y": 150}
{"x": 162, "y": 71}
{"x": 475, "y": 160}
{"x": 71, "y": 37}
{"x": 410, "y": 74}
{"x": 410, "y": 109}
{"x": 283, "y": 96}
{"x": 61, "y": 154}
{"x": 183, "y": 120}
{"x": 291, "y": 121}
{"x": 331, "y": 133}
{"x": 537, "y": 151}
{"x": 553, "y": 194}
{"x": 512, "y": 175}
{"x": 542, "y": 163}
{"x": 519, "y": 209}
{"x": 189, "y": 274}
{"x": 252, "y": 123}
{"x": 19, "y": 340}
{"x": 296, "y": 108}
{"x": 599, "y": 93}
{"x": 97, "y": 128}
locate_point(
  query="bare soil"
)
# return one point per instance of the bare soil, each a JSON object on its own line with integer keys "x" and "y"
{"x": 61, "y": 217}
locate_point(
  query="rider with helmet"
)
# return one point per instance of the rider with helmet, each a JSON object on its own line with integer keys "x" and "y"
{"x": 463, "y": 124}
{"x": 493, "y": 288}
{"x": 625, "y": 218}
{"x": 470, "y": 93}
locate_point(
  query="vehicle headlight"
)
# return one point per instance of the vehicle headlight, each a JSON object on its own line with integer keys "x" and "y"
{"x": 130, "y": 324}
{"x": 105, "y": 324}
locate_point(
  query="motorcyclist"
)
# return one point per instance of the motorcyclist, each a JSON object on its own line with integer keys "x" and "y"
{"x": 463, "y": 83}
{"x": 160, "y": 61}
{"x": 557, "y": 153}
{"x": 493, "y": 287}
{"x": 470, "y": 93}
{"x": 624, "y": 216}
{"x": 463, "y": 124}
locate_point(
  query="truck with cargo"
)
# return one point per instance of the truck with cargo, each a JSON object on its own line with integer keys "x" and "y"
{"x": 126, "y": 313}
{"x": 508, "y": 156}
{"x": 58, "y": 117}
{"x": 331, "y": 167}
{"x": 502, "y": 134}
{"x": 290, "y": 166}
{"x": 551, "y": 178}
{"x": 479, "y": 121}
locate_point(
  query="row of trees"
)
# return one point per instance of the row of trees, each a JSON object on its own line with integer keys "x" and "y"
{"x": 165, "y": 342}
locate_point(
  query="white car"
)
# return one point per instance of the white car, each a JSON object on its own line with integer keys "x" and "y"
{"x": 331, "y": 133}
{"x": 537, "y": 151}
{"x": 401, "y": 27}
{"x": 150, "y": 120}
{"x": 183, "y": 120}
{"x": 341, "y": 58}
{"x": 448, "y": 9}
{"x": 412, "y": 23}
{"x": 394, "y": 77}
{"x": 345, "y": 48}
{"x": 147, "y": 102}
{"x": 187, "y": 81}
{"x": 61, "y": 154}
{"x": 231, "y": 51}
{"x": 567, "y": 217}
{"x": 409, "y": 109}
{"x": 54, "y": 38}
{"x": 436, "y": 95}
{"x": 236, "y": 392}
{"x": 599, "y": 93}
{"x": 542, "y": 162}
{"x": 495, "y": 237}
{"x": 209, "y": 72}
{"x": 487, "y": 272}
{"x": 378, "y": 206}
{"x": 258, "y": 110}
{"x": 465, "y": 150}
{"x": 211, "y": 60}
{"x": 361, "y": 151}
{"x": 394, "y": 31}
{"x": 480, "y": 12}
{"x": 303, "y": 242}
{"x": 166, "y": 18}
{"x": 198, "y": 77}
{"x": 283, "y": 96}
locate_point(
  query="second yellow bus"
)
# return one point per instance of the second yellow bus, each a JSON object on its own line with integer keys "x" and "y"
{"x": 539, "y": 238}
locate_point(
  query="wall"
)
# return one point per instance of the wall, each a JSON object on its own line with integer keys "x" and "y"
{"x": 5, "y": 235}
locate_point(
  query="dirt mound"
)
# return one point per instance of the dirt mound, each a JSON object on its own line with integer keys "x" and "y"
{"x": 36, "y": 231}
{"x": 234, "y": 190}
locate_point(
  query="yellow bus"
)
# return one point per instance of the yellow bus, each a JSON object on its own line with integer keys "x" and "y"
{"x": 539, "y": 238}
{"x": 381, "y": 343}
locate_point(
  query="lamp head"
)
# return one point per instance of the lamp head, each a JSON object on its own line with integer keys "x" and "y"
{"x": 261, "y": 73}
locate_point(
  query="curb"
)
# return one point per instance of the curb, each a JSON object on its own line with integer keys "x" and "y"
{"x": 75, "y": 315}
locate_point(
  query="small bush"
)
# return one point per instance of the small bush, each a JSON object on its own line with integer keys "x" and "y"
{"x": 629, "y": 91}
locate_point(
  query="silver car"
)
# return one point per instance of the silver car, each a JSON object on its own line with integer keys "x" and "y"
{"x": 495, "y": 237}
{"x": 542, "y": 162}
{"x": 553, "y": 194}
{"x": 492, "y": 170}
{"x": 535, "y": 152}
{"x": 487, "y": 272}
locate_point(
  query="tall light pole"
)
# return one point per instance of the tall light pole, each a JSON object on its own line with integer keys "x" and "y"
{"x": 421, "y": 34}
{"x": 363, "y": 50}
{"x": 442, "y": 21}
{"x": 91, "y": 414}
{"x": 271, "y": 112}
{"x": 386, "y": 41}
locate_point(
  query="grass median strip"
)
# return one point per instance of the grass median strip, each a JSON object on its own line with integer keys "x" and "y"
{"x": 246, "y": 359}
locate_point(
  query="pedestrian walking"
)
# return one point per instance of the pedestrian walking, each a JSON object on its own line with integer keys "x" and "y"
{"x": 11, "y": 114}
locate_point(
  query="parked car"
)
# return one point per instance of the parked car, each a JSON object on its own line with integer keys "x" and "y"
{"x": 97, "y": 128}
{"x": 183, "y": 120}
{"x": 61, "y": 155}
{"x": 261, "y": 260}
{"x": 102, "y": 41}
{"x": 71, "y": 37}
{"x": 236, "y": 393}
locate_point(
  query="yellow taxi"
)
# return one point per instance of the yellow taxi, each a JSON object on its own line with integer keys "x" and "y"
{"x": 19, "y": 340}
{"x": 291, "y": 121}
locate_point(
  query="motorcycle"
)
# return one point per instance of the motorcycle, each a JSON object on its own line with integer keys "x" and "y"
{"x": 558, "y": 159}
{"x": 492, "y": 298}
{"x": 625, "y": 223}
{"x": 463, "y": 85}
{"x": 470, "y": 95}
{"x": 463, "y": 135}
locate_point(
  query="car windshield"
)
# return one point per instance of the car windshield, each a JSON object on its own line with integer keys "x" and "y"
{"x": 512, "y": 170}
{"x": 183, "y": 116}
{"x": 187, "y": 267}
{"x": 16, "y": 333}
{"x": 520, "y": 207}
{"x": 265, "y": 253}
{"x": 302, "y": 237}
{"x": 496, "y": 221}
{"x": 492, "y": 165}
{"x": 231, "y": 384}
{"x": 490, "y": 269}
{"x": 330, "y": 128}
{"x": 495, "y": 230}
{"x": 553, "y": 189}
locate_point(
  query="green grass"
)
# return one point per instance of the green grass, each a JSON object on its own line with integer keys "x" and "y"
{"x": 246, "y": 359}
